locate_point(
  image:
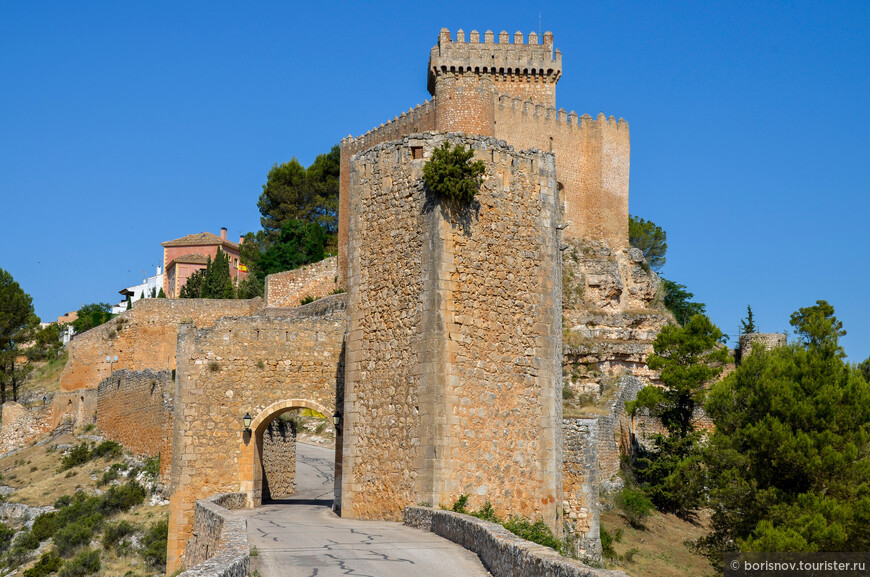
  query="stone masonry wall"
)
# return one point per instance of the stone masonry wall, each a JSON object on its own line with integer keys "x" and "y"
{"x": 144, "y": 337}
{"x": 280, "y": 358}
{"x": 219, "y": 544}
{"x": 135, "y": 409}
{"x": 501, "y": 552}
{"x": 453, "y": 347}
{"x": 279, "y": 460}
{"x": 287, "y": 289}
{"x": 580, "y": 487}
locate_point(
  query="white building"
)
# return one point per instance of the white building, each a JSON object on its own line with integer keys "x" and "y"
{"x": 148, "y": 287}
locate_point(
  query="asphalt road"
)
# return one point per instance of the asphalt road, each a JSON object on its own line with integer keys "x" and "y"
{"x": 302, "y": 537}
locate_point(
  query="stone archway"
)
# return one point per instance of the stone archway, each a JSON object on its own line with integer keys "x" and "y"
{"x": 251, "y": 470}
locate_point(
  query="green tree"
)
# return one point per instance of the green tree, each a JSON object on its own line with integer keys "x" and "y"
{"x": 161, "y": 294}
{"x": 689, "y": 358}
{"x": 788, "y": 465}
{"x": 292, "y": 192}
{"x": 299, "y": 243}
{"x": 192, "y": 289}
{"x": 217, "y": 283}
{"x": 46, "y": 343}
{"x": 212, "y": 282}
{"x": 864, "y": 368}
{"x": 452, "y": 176}
{"x": 747, "y": 325}
{"x": 92, "y": 315}
{"x": 651, "y": 239}
{"x": 18, "y": 325}
{"x": 679, "y": 301}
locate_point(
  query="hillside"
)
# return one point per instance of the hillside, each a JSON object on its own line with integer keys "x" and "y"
{"x": 74, "y": 504}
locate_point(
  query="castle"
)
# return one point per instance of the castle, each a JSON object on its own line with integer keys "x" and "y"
{"x": 507, "y": 90}
{"x": 443, "y": 362}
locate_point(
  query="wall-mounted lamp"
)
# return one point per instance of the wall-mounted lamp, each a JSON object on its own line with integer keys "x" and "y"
{"x": 336, "y": 419}
{"x": 247, "y": 422}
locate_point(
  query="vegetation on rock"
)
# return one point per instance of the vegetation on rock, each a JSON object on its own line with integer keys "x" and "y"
{"x": 651, "y": 239}
{"x": 452, "y": 176}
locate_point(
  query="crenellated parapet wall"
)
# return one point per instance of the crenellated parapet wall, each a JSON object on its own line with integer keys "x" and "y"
{"x": 593, "y": 158}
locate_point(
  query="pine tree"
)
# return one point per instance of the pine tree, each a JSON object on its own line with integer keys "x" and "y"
{"x": 747, "y": 325}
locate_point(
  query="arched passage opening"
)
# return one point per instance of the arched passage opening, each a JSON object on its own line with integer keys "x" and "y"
{"x": 266, "y": 434}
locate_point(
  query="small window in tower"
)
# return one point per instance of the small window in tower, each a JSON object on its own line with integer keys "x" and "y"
{"x": 416, "y": 152}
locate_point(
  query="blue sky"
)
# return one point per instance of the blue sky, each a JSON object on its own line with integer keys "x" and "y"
{"x": 127, "y": 124}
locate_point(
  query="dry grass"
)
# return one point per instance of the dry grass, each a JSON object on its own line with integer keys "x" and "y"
{"x": 34, "y": 473}
{"x": 661, "y": 549}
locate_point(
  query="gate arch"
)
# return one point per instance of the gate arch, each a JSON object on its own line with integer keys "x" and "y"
{"x": 251, "y": 470}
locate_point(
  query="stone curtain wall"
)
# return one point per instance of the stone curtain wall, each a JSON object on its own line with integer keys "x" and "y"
{"x": 245, "y": 365}
{"x": 219, "y": 544}
{"x": 580, "y": 487}
{"x": 279, "y": 460}
{"x": 134, "y": 408}
{"x": 454, "y": 336}
{"x": 592, "y": 163}
{"x": 142, "y": 338}
{"x": 287, "y": 289}
{"x": 78, "y": 408}
{"x": 501, "y": 552}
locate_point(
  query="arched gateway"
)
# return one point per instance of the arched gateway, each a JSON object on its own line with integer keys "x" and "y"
{"x": 262, "y": 366}
{"x": 251, "y": 479}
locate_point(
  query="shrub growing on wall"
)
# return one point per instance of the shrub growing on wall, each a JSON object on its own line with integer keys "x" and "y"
{"x": 451, "y": 175}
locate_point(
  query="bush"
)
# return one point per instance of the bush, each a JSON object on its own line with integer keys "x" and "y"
{"x": 537, "y": 532}
{"x": 121, "y": 498}
{"x": 459, "y": 505}
{"x": 47, "y": 564}
{"x": 26, "y": 540}
{"x": 78, "y": 455}
{"x": 44, "y": 526}
{"x": 608, "y": 540}
{"x": 154, "y": 545}
{"x": 85, "y": 563}
{"x": 113, "y": 536}
{"x": 451, "y": 176}
{"x": 6, "y": 535}
{"x": 635, "y": 506}
{"x": 152, "y": 466}
{"x": 107, "y": 449}
{"x": 487, "y": 513}
{"x": 69, "y": 538}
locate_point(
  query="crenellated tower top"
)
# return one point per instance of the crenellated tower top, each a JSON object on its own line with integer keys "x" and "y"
{"x": 506, "y": 61}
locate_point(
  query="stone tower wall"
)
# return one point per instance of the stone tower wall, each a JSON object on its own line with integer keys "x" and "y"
{"x": 453, "y": 337}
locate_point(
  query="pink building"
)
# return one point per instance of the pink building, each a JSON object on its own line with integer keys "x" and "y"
{"x": 184, "y": 256}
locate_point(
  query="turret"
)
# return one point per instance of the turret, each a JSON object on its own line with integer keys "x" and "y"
{"x": 527, "y": 70}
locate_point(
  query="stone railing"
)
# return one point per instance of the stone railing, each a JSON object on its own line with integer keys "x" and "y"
{"x": 219, "y": 545}
{"x": 501, "y": 552}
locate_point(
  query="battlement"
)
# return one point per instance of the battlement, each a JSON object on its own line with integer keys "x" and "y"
{"x": 421, "y": 118}
{"x": 535, "y": 111}
{"x": 505, "y": 58}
